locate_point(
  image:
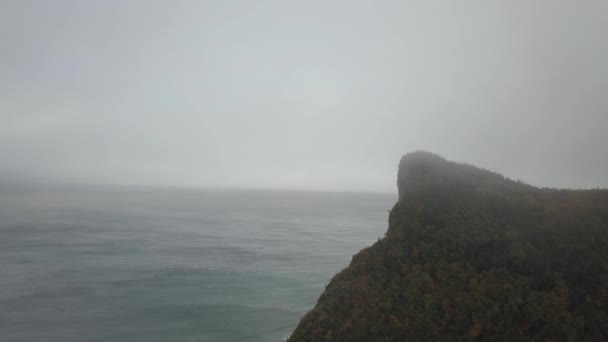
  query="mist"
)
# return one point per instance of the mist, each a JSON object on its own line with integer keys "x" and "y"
{"x": 308, "y": 95}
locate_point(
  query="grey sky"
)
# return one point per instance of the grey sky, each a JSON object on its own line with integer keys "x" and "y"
{"x": 308, "y": 94}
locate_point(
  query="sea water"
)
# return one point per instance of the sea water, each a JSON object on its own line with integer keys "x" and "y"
{"x": 144, "y": 264}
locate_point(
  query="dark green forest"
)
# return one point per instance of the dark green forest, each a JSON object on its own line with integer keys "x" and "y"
{"x": 472, "y": 255}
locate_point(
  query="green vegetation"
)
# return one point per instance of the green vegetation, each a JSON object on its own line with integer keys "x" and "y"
{"x": 472, "y": 255}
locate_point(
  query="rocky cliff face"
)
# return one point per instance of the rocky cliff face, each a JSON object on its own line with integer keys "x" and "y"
{"x": 472, "y": 255}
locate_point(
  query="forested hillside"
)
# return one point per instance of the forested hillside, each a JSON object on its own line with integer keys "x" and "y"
{"x": 472, "y": 255}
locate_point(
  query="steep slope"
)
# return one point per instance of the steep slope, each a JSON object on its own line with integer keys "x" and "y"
{"x": 472, "y": 255}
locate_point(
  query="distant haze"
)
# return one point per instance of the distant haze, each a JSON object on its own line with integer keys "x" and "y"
{"x": 316, "y": 95}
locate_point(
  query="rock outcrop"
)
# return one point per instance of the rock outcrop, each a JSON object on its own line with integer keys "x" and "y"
{"x": 472, "y": 255}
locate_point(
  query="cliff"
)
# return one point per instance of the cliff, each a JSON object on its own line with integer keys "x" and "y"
{"x": 472, "y": 255}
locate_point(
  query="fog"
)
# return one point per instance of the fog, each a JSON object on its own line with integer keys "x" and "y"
{"x": 314, "y": 95}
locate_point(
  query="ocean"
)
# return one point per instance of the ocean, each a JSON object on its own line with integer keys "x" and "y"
{"x": 153, "y": 264}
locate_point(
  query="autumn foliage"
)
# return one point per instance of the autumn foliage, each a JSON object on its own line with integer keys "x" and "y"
{"x": 472, "y": 255}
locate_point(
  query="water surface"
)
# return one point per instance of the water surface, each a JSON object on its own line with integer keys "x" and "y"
{"x": 116, "y": 264}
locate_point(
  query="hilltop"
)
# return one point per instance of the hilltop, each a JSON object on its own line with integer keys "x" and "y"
{"x": 472, "y": 255}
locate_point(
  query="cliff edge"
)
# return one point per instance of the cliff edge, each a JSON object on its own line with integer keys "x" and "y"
{"x": 472, "y": 255}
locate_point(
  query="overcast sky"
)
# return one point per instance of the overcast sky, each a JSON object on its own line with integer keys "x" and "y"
{"x": 318, "y": 95}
